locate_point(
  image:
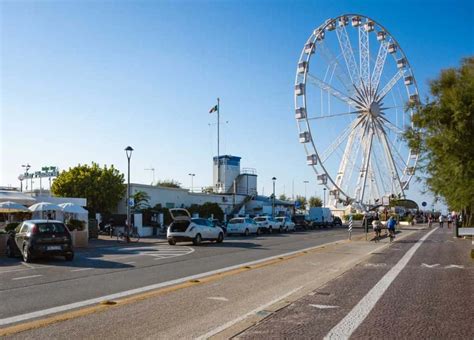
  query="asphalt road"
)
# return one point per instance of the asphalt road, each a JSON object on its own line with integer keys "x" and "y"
{"x": 432, "y": 297}
{"x": 27, "y": 288}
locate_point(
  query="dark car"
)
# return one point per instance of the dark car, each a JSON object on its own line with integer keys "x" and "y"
{"x": 300, "y": 222}
{"x": 38, "y": 238}
{"x": 337, "y": 222}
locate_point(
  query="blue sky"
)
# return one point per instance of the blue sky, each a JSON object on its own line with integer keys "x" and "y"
{"x": 82, "y": 80}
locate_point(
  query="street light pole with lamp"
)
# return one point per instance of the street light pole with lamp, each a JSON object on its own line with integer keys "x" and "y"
{"x": 305, "y": 198}
{"x": 273, "y": 199}
{"x": 128, "y": 152}
{"x": 192, "y": 177}
{"x": 324, "y": 197}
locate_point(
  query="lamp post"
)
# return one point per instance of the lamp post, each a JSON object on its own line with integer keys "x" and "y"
{"x": 192, "y": 177}
{"x": 128, "y": 152}
{"x": 324, "y": 197}
{"x": 273, "y": 200}
{"x": 305, "y": 198}
{"x": 27, "y": 167}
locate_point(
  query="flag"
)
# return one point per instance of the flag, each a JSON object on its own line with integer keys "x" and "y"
{"x": 213, "y": 109}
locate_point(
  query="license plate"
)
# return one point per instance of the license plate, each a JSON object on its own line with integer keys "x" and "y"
{"x": 53, "y": 248}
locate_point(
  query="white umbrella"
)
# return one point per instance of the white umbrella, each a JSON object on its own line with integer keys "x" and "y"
{"x": 11, "y": 207}
{"x": 44, "y": 206}
{"x": 72, "y": 208}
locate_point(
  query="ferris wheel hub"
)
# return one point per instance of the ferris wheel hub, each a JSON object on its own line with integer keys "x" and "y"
{"x": 374, "y": 109}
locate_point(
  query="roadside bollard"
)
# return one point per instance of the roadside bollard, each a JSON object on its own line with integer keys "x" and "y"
{"x": 350, "y": 227}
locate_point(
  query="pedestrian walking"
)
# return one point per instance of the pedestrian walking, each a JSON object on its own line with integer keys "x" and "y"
{"x": 450, "y": 219}
{"x": 441, "y": 220}
{"x": 430, "y": 221}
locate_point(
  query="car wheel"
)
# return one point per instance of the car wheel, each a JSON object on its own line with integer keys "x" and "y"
{"x": 69, "y": 257}
{"x": 247, "y": 233}
{"x": 26, "y": 254}
{"x": 220, "y": 238}
{"x": 171, "y": 242}
{"x": 197, "y": 240}
{"x": 259, "y": 231}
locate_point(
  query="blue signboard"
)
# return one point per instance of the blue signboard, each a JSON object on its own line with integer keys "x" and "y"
{"x": 423, "y": 204}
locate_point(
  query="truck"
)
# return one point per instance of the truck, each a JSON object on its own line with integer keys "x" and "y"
{"x": 320, "y": 217}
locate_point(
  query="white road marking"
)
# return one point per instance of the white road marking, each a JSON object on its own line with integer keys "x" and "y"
{"x": 375, "y": 265}
{"x": 81, "y": 269}
{"x": 347, "y": 326}
{"x": 28, "y": 265}
{"x": 218, "y": 298}
{"x": 131, "y": 262}
{"x": 84, "y": 303}
{"x": 323, "y": 306}
{"x": 429, "y": 265}
{"x": 455, "y": 266}
{"x": 13, "y": 270}
{"x": 243, "y": 317}
{"x": 26, "y": 277}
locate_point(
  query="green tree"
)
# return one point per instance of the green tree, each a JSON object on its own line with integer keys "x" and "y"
{"x": 283, "y": 197}
{"x": 168, "y": 183}
{"x": 102, "y": 187}
{"x": 315, "y": 202}
{"x": 141, "y": 200}
{"x": 302, "y": 201}
{"x": 443, "y": 134}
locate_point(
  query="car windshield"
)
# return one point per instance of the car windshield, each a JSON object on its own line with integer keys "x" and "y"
{"x": 50, "y": 228}
{"x": 235, "y": 221}
{"x": 260, "y": 219}
{"x": 280, "y": 219}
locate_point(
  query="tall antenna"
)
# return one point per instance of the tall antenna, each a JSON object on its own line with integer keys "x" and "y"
{"x": 153, "y": 173}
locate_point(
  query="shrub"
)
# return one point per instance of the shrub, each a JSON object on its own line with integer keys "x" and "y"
{"x": 11, "y": 226}
{"x": 75, "y": 225}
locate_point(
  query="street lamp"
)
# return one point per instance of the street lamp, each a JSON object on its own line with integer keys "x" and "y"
{"x": 273, "y": 201}
{"x": 305, "y": 183}
{"x": 27, "y": 167}
{"x": 128, "y": 152}
{"x": 192, "y": 177}
{"x": 324, "y": 197}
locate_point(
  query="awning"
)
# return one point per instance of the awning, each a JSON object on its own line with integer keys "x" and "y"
{"x": 16, "y": 196}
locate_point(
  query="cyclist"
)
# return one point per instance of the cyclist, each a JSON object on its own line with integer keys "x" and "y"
{"x": 376, "y": 225}
{"x": 391, "y": 223}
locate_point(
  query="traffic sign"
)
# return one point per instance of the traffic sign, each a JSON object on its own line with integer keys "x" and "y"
{"x": 297, "y": 204}
{"x": 423, "y": 204}
{"x": 131, "y": 202}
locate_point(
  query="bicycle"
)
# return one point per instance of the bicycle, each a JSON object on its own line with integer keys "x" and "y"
{"x": 391, "y": 234}
{"x": 125, "y": 236}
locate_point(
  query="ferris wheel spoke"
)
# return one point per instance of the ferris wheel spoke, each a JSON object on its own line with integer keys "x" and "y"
{"x": 348, "y": 53}
{"x": 367, "y": 150}
{"x": 389, "y": 157}
{"x": 334, "y": 115}
{"x": 337, "y": 142}
{"x": 400, "y": 158}
{"x": 379, "y": 64}
{"x": 364, "y": 56}
{"x": 340, "y": 73}
{"x": 331, "y": 90}
{"x": 390, "y": 84}
{"x": 391, "y": 126}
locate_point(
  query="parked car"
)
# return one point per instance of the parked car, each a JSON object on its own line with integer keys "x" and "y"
{"x": 287, "y": 223}
{"x": 184, "y": 228}
{"x": 268, "y": 224}
{"x": 37, "y": 238}
{"x": 241, "y": 225}
{"x": 216, "y": 223}
{"x": 336, "y": 221}
{"x": 320, "y": 217}
{"x": 300, "y": 222}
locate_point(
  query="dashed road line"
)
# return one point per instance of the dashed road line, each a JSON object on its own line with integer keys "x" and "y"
{"x": 26, "y": 277}
{"x": 81, "y": 269}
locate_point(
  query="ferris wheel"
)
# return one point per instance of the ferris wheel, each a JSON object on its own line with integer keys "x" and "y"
{"x": 353, "y": 88}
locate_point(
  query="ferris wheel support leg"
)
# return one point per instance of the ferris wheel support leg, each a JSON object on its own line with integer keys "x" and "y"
{"x": 365, "y": 169}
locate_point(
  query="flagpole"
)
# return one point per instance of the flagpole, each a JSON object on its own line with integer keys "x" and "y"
{"x": 218, "y": 142}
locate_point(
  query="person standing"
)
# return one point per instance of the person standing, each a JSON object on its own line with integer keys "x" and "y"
{"x": 449, "y": 221}
{"x": 441, "y": 220}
